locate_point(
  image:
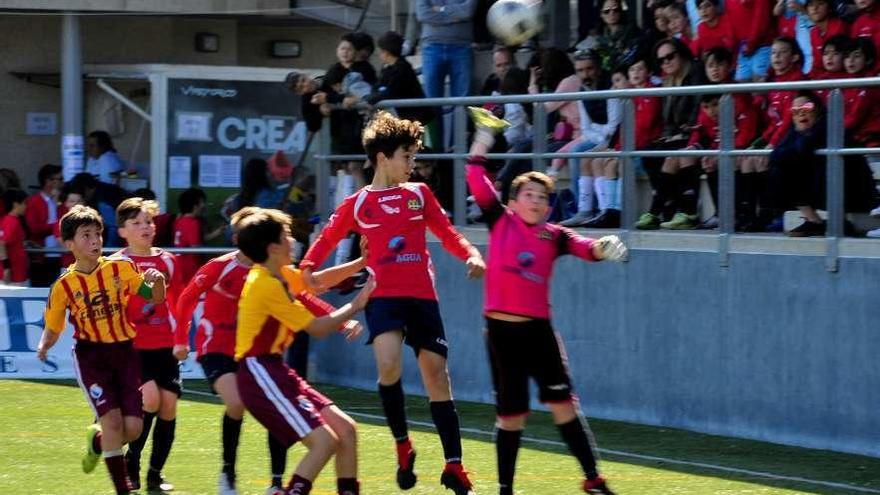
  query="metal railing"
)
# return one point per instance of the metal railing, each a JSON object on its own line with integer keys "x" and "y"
{"x": 726, "y": 153}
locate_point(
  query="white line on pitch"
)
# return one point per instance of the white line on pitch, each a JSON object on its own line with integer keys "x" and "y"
{"x": 620, "y": 453}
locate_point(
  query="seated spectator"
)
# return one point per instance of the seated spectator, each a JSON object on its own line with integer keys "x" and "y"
{"x": 502, "y": 60}
{"x": 103, "y": 162}
{"x": 679, "y": 24}
{"x": 832, "y": 63}
{"x": 751, "y": 20}
{"x": 68, "y": 198}
{"x": 104, "y": 198}
{"x": 40, "y": 217}
{"x": 306, "y": 87}
{"x": 13, "y": 234}
{"x": 861, "y": 105}
{"x": 867, "y": 23}
{"x": 398, "y": 80}
{"x": 826, "y": 25}
{"x": 714, "y": 30}
{"x": 793, "y": 22}
{"x": 799, "y": 178}
{"x": 556, "y": 73}
{"x": 617, "y": 34}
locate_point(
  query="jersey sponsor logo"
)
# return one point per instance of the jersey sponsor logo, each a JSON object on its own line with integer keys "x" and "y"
{"x": 389, "y": 209}
{"x": 441, "y": 342}
{"x": 409, "y": 258}
{"x": 525, "y": 259}
{"x": 95, "y": 391}
{"x": 397, "y": 243}
{"x": 99, "y": 299}
{"x": 414, "y": 204}
{"x": 390, "y": 198}
{"x": 545, "y": 235}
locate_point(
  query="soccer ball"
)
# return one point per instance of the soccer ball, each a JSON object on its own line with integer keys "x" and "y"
{"x": 515, "y": 21}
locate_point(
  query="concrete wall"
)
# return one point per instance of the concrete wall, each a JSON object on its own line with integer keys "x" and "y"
{"x": 32, "y": 44}
{"x": 772, "y": 348}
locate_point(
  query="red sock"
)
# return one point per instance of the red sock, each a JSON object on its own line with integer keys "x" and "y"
{"x": 403, "y": 450}
{"x": 116, "y": 467}
{"x": 348, "y": 486}
{"x": 299, "y": 486}
{"x": 96, "y": 443}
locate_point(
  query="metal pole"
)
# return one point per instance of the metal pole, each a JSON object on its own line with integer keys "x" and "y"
{"x": 726, "y": 187}
{"x": 460, "y": 144}
{"x": 834, "y": 178}
{"x": 72, "y": 156}
{"x": 539, "y": 134}
{"x": 392, "y": 9}
{"x": 322, "y": 174}
{"x": 559, "y": 23}
{"x": 628, "y": 143}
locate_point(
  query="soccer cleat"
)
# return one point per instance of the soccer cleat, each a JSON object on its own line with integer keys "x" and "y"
{"x": 681, "y": 221}
{"x": 157, "y": 484}
{"x": 875, "y": 212}
{"x": 808, "y": 229}
{"x": 648, "y": 221}
{"x": 485, "y": 119}
{"x": 578, "y": 220}
{"x": 274, "y": 490}
{"x": 873, "y": 234}
{"x": 227, "y": 485}
{"x": 406, "y": 466}
{"x": 455, "y": 478}
{"x": 597, "y": 486}
{"x": 91, "y": 458}
{"x": 607, "y": 219}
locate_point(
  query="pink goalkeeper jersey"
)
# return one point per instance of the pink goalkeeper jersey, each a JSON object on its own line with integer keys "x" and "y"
{"x": 394, "y": 221}
{"x": 521, "y": 256}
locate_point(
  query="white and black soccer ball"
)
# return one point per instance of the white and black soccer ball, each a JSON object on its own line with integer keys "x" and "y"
{"x": 514, "y": 22}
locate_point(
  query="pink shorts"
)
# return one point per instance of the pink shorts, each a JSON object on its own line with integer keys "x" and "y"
{"x": 280, "y": 399}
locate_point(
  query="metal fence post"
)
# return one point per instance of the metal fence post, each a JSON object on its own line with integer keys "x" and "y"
{"x": 322, "y": 173}
{"x": 628, "y": 143}
{"x": 460, "y": 146}
{"x": 726, "y": 188}
{"x": 539, "y": 134}
{"x": 834, "y": 180}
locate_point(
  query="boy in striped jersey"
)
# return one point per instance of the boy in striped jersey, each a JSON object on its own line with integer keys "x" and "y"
{"x": 160, "y": 342}
{"x": 96, "y": 291}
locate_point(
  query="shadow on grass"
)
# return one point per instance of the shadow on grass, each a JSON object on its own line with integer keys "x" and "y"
{"x": 670, "y": 444}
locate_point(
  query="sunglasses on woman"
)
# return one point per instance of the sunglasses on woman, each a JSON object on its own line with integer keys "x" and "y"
{"x": 662, "y": 59}
{"x": 613, "y": 10}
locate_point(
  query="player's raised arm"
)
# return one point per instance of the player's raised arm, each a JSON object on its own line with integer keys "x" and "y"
{"x": 324, "y": 325}
{"x": 451, "y": 239}
{"x": 339, "y": 225}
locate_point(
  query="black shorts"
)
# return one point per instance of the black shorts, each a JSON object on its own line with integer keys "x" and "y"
{"x": 215, "y": 365}
{"x": 522, "y": 350}
{"x": 419, "y": 319}
{"x": 161, "y": 366}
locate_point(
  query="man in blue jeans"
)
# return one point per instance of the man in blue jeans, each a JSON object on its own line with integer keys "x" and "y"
{"x": 447, "y": 34}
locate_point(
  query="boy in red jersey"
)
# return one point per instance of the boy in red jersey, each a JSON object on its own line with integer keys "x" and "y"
{"x": 714, "y": 29}
{"x": 96, "y": 291}
{"x": 867, "y": 24}
{"x": 221, "y": 280}
{"x": 12, "y": 237}
{"x": 521, "y": 341}
{"x": 188, "y": 230}
{"x": 393, "y": 215}
{"x": 274, "y": 394}
{"x": 160, "y": 342}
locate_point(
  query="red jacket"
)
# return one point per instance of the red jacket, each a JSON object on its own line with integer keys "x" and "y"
{"x": 867, "y": 25}
{"x": 12, "y": 236}
{"x": 779, "y": 106}
{"x": 36, "y": 215}
{"x": 709, "y": 37}
{"x": 752, "y": 22}
{"x": 861, "y": 112}
{"x": 822, "y": 75}
{"x": 706, "y": 134}
{"x": 649, "y": 120}
{"x": 817, "y": 39}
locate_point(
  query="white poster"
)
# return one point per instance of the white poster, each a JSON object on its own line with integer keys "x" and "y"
{"x": 72, "y": 155}
{"x": 220, "y": 171}
{"x": 194, "y": 126}
{"x": 21, "y": 323}
{"x": 179, "y": 172}
{"x": 41, "y": 124}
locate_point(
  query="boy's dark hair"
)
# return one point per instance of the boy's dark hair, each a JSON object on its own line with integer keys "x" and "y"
{"x": 238, "y": 217}
{"x": 132, "y": 207}
{"x": 12, "y": 196}
{"x": 189, "y": 199}
{"x": 46, "y": 172}
{"x": 514, "y": 82}
{"x": 79, "y": 216}
{"x": 709, "y": 97}
{"x": 720, "y": 55}
{"x": 839, "y": 41}
{"x": 533, "y": 176}
{"x": 386, "y": 133}
{"x": 391, "y": 42}
{"x": 67, "y": 190}
{"x": 102, "y": 138}
{"x": 864, "y": 45}
{"x": 360, "y": 41}
{"x": 144, "y": 192}
{"x": 259, "y": 229}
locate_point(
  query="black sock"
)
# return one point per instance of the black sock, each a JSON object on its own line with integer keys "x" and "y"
{"x": 766, "y": 197}
{"x": 278, "y": 460}
{"x": 749, "y": 195}
{"x": 660, "y": 203}
{"x": 299, "y": 486}
{"x": 689, "y": 189}
{"x": 577, "y": 435}
{"x": 446, "y": 421}
{"x": 136, "y": 447}
{"x": 348, "y": 486}
{"x": 395, "y": 412}
{"x": 231, "y": 434}
{"x": 163, "y": 439}
{"x": 507, "y": 448}
{"x": 712, "y": 177}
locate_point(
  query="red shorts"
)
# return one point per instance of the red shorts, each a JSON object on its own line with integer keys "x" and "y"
{"x": 280, "y": 399}
{"x": 110, "y": 376}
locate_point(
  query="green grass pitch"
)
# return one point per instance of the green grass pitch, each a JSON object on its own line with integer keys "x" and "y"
{"x": 42, "y": 427}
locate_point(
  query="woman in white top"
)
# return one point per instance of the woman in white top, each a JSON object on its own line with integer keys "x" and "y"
{"x": 103, "y": 161}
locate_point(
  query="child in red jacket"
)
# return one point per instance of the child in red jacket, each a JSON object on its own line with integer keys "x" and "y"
{"x": 861, "y": 104}
{"x": 714, "y": 30}
{"x": 12, "y": 236}
{"x": 753, "y": 26}
{"x": 825, "y": 26}
{"x": 867, "y": 24}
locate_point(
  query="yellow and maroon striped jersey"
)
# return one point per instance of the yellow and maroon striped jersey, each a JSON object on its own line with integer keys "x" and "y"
{"x": 267, "y": 315}
{"x": 96, "y": 301}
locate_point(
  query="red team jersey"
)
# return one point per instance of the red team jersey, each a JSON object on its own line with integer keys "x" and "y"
{"x": 221, "y": 279}
{"x": 156, "y": 325}
{"x": 12, "y": 236}
{"x": 394, "y": 221}
{"x": 188, "y": 233}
